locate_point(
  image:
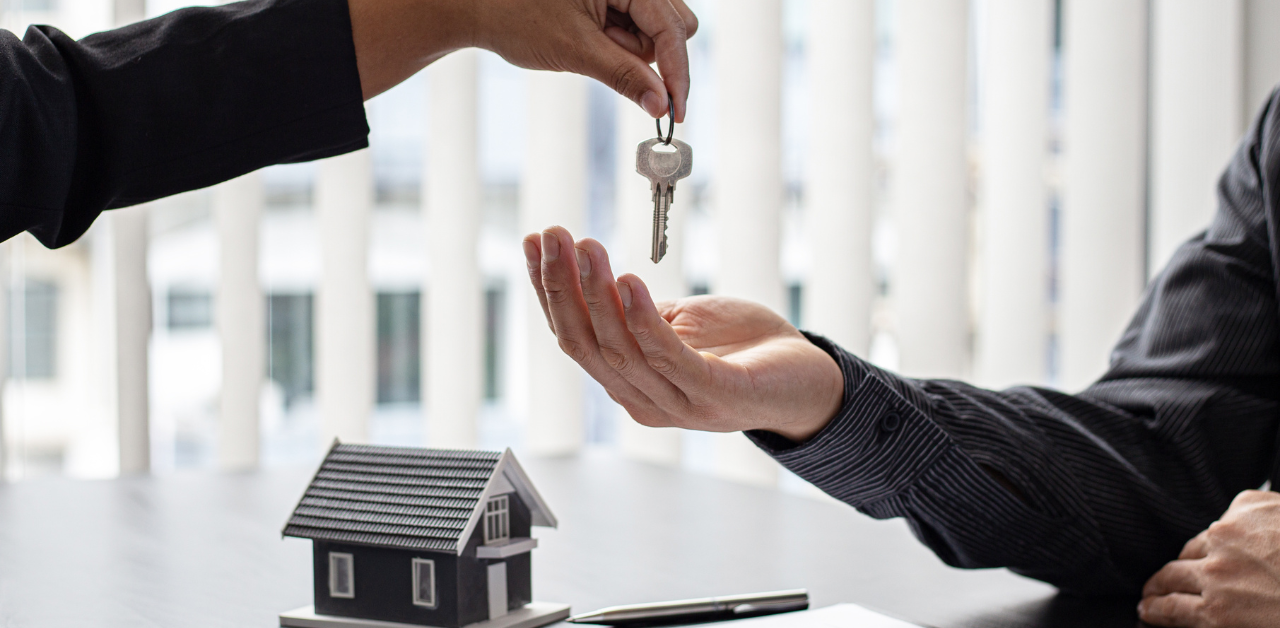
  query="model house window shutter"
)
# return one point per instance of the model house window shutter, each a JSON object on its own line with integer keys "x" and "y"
{"x": 424, "y": 582}
{"x": 342, "y": 575}
{"x": 497, "y": 520}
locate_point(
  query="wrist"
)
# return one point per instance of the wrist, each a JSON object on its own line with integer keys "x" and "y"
{"x": 466, "y": 17}
{"x": 827, "y": 396}
{"x": 394, "y": 39}
{"x": 484, "y": 20}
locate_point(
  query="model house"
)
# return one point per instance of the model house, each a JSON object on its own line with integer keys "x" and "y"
{"x": 422, "y": 537}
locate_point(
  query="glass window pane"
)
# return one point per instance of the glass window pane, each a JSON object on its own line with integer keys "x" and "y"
{"x": 189, "y": 309}
{"x": 494, "y": 307}
{"x": 424, "y": 582}
{"x": 289, "y": 336}
{"x": 341, "y": 575}
{"x": 399, "y": 347}
{"x": 33, "y": 327}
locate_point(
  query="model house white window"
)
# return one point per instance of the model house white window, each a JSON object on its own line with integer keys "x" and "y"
{"x": 342, "y": 575}
{"x": 424, "y": 582}
{"x": 496, "y": 522}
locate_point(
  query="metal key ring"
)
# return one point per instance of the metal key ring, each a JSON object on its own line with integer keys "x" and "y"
{"x": 671, "y": 128}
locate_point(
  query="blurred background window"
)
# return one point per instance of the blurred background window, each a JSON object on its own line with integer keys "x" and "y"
{"x": 399, "y": 347}
{"x": 189, "y": 310}
{"x": 291, "y": 364}
{"x": 29, "y": 5}
{"x": 33, "y": 316}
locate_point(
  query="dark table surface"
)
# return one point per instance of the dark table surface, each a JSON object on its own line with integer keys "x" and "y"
{"x": 204, "y": 549}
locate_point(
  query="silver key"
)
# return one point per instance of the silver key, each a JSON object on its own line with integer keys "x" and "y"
{"x": 663, "y": 169}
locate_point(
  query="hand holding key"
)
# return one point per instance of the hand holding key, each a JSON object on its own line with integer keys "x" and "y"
{"x": 706, "y": 363}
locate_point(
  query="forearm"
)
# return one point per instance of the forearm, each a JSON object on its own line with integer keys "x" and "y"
{"x": 394, "y": 39}
{"x": 1067, "y": 489}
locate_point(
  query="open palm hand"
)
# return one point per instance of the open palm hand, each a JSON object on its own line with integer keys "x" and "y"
{"x": 707, "y": 363}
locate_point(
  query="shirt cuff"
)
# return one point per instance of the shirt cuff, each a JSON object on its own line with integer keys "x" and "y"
{"x": 876, "y": 445}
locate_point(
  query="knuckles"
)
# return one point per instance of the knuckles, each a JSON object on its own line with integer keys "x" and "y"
{"x": 1222, "y": 530}
{"x": 1216, "y": 567}
{"x": 558, "y": 291}
{"x": 574, "y": 349}
{"x": 664, "y": 366}
{"x": 616, "y": 358}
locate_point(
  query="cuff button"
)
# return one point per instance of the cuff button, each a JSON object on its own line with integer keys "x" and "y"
{"x": 890, "y": 422}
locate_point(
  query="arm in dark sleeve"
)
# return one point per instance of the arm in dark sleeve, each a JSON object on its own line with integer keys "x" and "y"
{"x": 1091, "y": 492}
{"x": 176, "y": 103}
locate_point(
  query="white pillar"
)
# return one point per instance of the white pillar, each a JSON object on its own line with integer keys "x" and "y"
{"x": 241, "y": 320}
{"x": 553, "y": 191}
{"x": 1013, "y": 325}
{"x": 631, "y": 251}
{"x": 748, "y": 188}
{"x": 841, "y": 170}
{"x": 454, "y": 375}
{"x": 133, "y": 333}
{"x": 345, "y": 333}
{"x": 1197, "y": 115}
{"x": 1103, "y": 174}
{"x": 1262, "y": 53}
{"x": 929, "y": 185}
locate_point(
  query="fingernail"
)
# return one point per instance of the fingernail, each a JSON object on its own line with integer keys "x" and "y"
{"x": 624, "y": 291}
{"x": 1142, "y": 606}
{"x": 530, "y": 254}
{"x": 652, "y": 103}
{"x": 584, "y": 263}
{"x": 550, "y": 247}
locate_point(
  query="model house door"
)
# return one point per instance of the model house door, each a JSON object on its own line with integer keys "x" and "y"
{"x": 497, "y": 590}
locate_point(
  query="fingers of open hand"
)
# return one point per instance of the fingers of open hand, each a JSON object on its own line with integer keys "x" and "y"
{"x": 533, "y": 262}
{"x": 571, "y": 321}
{"x": 617, "y": 345}
{"x": 1176, "y": 610}
{"x": 661, "y": 21}
{"x": 662, "y": 348}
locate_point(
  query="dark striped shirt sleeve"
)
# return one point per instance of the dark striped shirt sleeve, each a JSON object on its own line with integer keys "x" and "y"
{"x": 1092, "y": 492}
{"x": 176, "y": 103}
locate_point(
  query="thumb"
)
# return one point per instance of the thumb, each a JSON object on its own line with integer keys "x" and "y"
{"x": 625, "y": 73}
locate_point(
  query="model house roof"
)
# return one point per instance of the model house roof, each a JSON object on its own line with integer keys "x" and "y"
{"x": 408, "y": 498}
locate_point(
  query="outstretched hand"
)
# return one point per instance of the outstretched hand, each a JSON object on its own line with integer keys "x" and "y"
{"x": 707, "y": 363}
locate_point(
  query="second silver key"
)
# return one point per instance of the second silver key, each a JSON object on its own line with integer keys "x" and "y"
{"x": 663, "y": 165}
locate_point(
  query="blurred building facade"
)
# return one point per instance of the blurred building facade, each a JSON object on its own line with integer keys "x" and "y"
{"x": 953, "y": 188}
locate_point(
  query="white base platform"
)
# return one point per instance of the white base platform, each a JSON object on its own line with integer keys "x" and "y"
{"x": 533, "y": 615}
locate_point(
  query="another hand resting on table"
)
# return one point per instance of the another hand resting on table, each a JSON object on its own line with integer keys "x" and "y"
{"x": 1228, "y": 575}
{"x": 707, "y": 363}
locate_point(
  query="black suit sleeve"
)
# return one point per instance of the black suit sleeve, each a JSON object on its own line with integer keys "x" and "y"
{"x": 176, "y": 103}
{"x": 1095, "y": 491}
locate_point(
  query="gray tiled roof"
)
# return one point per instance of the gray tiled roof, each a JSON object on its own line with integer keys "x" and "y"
{"x": 393, "y": 496}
